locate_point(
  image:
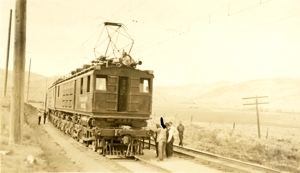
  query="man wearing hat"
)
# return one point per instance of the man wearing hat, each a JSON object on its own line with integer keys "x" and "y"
{"x": 170, "y": 140}
{"x": 39, "y": 117}
{"x": 161, "y": 139}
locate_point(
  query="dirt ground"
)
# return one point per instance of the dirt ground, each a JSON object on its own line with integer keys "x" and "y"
{"x": 278, "y": 147}
{"x": 55, "y": 152}
{"x": 52, "y": 151}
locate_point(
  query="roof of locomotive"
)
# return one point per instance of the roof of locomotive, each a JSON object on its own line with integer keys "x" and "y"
{"x": 121, "y": 59}
{"x": 87, "y": 68}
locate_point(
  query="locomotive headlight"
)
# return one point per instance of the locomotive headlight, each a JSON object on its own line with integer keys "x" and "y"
{"x": 127, "y": 61}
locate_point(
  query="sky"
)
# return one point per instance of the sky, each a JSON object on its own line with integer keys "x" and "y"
{"x": 182, "y": 41}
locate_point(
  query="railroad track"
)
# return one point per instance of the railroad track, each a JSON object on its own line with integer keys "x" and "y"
{"x": 224, "y": 163}
{"x": 126, "y": 164}
{"x": 185, "y": 157}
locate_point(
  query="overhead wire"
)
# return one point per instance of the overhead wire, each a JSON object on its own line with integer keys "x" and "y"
{"x": 176, "y": 28}
{"x": 85, "y": 43}
{"x": 192, "y": 21}
{"x": 131, "y": 10}
{"x": 190, "y": 30}
{"x": 76, "y": 10}
{"x": 165, "y": 40}
{"x": 174, "y": 50}
{"x": 120, "y": 9}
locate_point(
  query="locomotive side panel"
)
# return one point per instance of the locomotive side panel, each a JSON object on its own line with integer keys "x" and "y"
{"x": 64, "y": 95}
{"x": 140, "y": 95}
{"x": 50, "y": 98}
{"x": 58, "y": 99}
{"x": 105, "y": 94}
{"x": 67, "y": 95}
{"x": 84, "y": 93}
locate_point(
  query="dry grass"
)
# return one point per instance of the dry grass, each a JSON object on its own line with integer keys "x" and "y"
{"x": 15, "y": 160}
{"x": 279, "y": 149}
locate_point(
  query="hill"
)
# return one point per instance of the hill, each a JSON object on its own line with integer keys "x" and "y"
{"x": 37, "y": 85}
{"x": 283, "y": 94}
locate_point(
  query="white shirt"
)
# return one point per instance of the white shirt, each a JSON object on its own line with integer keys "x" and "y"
{"x": 171, "y": 132}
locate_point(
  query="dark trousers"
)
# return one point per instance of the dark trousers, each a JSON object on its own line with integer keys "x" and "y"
{"x": 169, "y": 150}
{"x": 180, "y": 140}
{"x": 156, "y": 147}
{"x": 161, "y": 149}
{"x": 172, "y": 141}
{"x": 39, "y": 120}
{"x": 45, "y": 119}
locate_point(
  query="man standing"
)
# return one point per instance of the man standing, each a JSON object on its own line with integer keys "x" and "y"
{"x": 170, "y": 140}
{"x": 39, "y": 117}
{"x": 154, "y": 135}
{"x": 180, "y": 129}
{"x": 45, "y": 116}
{"x": 161, "y": 139}
{"x": 174, "y": 130}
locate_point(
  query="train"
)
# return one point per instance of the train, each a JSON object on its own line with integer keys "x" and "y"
{"x": 105, "y": 104}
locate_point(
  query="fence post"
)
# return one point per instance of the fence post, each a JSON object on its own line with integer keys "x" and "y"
{"x": 233, "y": 126}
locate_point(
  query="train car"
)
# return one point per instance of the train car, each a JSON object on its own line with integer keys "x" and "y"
{"x": 105, "y": 104}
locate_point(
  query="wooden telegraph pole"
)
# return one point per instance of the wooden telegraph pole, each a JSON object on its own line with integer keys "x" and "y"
{"x": 257, "y": 111}
{"x": 28, "y": 79}
{"x": 17, "y": 98}
{"x": 7, "y": 54}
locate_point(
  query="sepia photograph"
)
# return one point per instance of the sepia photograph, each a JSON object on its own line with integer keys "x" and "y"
{"x": 150, "y": 86}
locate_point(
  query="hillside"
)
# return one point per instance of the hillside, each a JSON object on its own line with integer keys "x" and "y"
{"x": 38, "y": 85}
{"x": 283, "y": 94}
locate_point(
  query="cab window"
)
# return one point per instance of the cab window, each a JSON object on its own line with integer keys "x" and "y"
{"x": 101, "y": 83}
{"x": 144, "y": 85}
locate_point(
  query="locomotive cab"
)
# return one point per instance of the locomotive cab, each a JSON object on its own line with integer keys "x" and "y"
{"x": 124, "y": 97}
{"x": 96, "y": 102}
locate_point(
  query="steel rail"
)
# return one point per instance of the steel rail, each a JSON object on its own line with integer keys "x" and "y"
{"x": 222, "y": 161}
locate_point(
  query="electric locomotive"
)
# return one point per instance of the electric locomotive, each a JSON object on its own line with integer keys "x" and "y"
{"x": 105, "y": 104}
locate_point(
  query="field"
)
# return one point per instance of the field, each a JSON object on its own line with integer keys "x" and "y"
{"x": 234, "y": 134}
{"x": 225, "y": 132}
{"x": 16, "y": 159}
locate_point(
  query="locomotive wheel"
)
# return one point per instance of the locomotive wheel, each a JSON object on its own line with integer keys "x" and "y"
{"x": 79, "y": 136}
{"x": 66, "y": 130}
{"x": 62, "y": 126}
{"x": 94, "y": 146}
{"x": 71, "y": 131}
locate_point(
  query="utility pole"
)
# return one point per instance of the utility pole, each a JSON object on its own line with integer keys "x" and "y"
{"x": 257, "y": 111}
{"x": 7, "y": 54}
{"x": 45, "y": 100}
{"x": 28, "y": 79}
{"x": 17, "y": 98}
